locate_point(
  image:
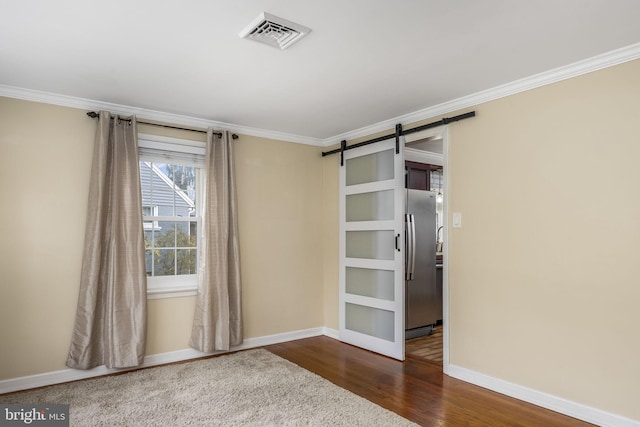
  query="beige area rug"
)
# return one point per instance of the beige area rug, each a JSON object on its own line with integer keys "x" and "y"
{"x": 249, "y": 388}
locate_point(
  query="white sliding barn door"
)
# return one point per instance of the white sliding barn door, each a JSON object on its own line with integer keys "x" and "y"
{"x": 372, "y": 249}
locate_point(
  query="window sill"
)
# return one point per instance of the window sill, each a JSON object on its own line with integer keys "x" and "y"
{"x": 172, "y": 286}
{"x": 177, "y": 292}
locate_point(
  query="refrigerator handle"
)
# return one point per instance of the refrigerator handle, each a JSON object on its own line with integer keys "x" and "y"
{"x": 406, "y": 246}
{"x": 410, "y": 253}
{"x": 413, "y": 247}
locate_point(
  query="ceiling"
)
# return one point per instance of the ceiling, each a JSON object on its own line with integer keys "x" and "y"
{"x": 365, "y": 61}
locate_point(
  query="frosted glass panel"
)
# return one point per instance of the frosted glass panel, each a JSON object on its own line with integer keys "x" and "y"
{"x": 370, "y": 283}
{"x": 370, "y": 244}
{"x": 370, "y": 168}
{"x": 371, "y": 321}
{"x": 375, "y": 206}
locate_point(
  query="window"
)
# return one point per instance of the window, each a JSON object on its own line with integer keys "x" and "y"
{"x": 171, "y": 182}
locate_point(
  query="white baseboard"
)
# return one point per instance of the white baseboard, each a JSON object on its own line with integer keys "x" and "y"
{"x": 557, "y": 404}
{"x": 331, "y": 333}
{"x": 554, "y": 403}
{"x": 65, "y": 375}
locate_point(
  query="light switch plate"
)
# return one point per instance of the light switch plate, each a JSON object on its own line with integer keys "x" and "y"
{"x": 457, "y": 220}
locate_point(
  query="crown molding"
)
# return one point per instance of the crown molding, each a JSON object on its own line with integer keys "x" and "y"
{"x": 605, "y": 60}
{"x": 153, "y": 115}
{"x": 609, "y": 59}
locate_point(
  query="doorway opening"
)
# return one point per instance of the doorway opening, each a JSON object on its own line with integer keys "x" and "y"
{"x": 425, "y": 166}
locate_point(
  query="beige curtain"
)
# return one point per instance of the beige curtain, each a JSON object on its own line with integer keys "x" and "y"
{"x": 110, "y": 325}
{"x": 217, "y": 323}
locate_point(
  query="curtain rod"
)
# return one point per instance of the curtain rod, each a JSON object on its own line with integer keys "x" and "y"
{"x": 399, "y": 132}
{"x": 94, "y": 115}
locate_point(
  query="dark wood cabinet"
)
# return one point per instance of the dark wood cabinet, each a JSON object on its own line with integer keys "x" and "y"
{"x": 418, "y": 175}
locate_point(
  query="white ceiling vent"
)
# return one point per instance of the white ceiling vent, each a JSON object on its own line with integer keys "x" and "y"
{"x": 274, "y": 31}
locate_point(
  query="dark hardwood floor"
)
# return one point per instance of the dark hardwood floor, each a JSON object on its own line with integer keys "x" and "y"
{"x": 415, "y": 389}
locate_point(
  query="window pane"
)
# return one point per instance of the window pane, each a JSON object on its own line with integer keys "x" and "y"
{"x": 164, "y": 262}
{"x": 183, "y": 176}
{"x": 148, "y": 238}
{"x": 182, "y": 235}
{"x": 148, "y": 260}
{"x": 165, "y": 237}
{"x": 145, "y": 183}
{"x": 193, "y": 234}
{"x": 187, "y": 263}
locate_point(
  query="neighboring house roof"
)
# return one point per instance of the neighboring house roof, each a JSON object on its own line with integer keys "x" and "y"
{"x": 164, "y": 190}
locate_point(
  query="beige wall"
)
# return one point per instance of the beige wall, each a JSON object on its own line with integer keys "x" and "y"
{"x": 544, "y": 274}
{"x": 280, "y": 199}
{"x": 330, "y": 239}
{"x": 45, "y": 160}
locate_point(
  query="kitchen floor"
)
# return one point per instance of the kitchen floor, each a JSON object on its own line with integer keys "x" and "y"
{"x": 429, "y": 347}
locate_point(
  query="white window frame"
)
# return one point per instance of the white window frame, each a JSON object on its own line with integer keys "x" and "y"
{"x": 160, "y": 149}
{"x": 152, "y": 222}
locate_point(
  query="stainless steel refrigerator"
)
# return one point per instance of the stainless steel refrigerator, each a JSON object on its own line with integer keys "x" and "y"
{"x": 421, "y": 298}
